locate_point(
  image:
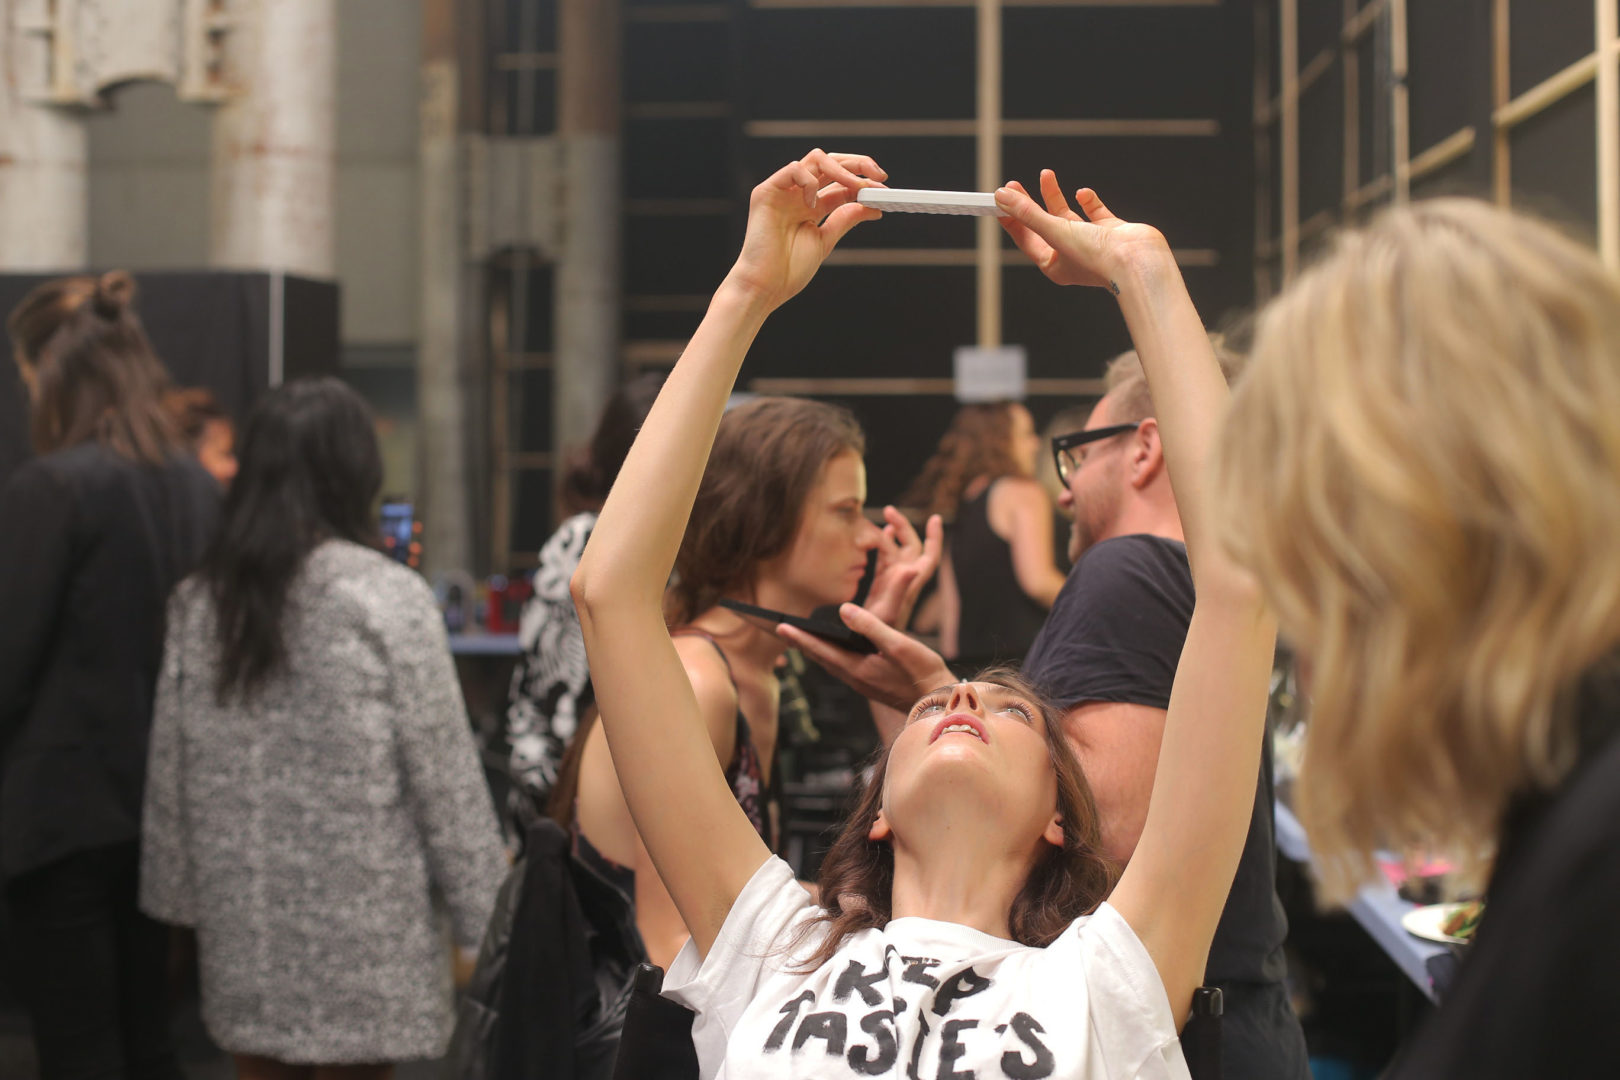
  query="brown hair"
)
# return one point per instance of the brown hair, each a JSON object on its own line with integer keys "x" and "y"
{"x": 978, "y": 443}
{"x": 767, "y": 456}
{"x": 95, "y": 374}
{"x": 592, "y": 470}
{"x": 193, "y": 409}
{"x": 857, "y": 876}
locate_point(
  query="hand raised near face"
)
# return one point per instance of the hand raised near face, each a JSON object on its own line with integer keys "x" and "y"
{"x": 1097, "y": 249}
{"x": 795, "y": 219}
{"x": 901, "y": 671}
{"x": 905, "y": 563}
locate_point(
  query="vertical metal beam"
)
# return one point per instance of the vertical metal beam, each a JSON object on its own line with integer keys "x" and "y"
{"x": 1350, "y": 59}
{"x": 1288, "y": 44}
{"x": 589, "y": 107}
{"x": 274, "y": 156}
{"x": 44, "y": 190}
{"x": 1400, "y": 106}
{"x": 1501, "y": 94}
{"x": 1263, "y": 150}
{"x": 441, "y": 402}
{"x": 1608, "y": 131}
{"x": 989, "y": 171}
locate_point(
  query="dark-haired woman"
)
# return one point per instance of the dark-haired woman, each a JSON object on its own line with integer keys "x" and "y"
{"x": 313, "y": 781}
{"x": 96, "y": 531}
{"x": 982, "y": 480}
{"x": 207, "y": 429}
{"x": 962, "y": 928}
{"x": 551, "y": 686}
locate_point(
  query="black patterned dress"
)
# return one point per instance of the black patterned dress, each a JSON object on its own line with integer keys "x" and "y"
{"x": 551, "y": 686}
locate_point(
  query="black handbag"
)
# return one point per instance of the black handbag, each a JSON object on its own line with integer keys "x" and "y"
{"x": 554, "y": 976}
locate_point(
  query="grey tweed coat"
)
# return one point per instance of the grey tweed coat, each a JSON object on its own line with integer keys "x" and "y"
{"x": 314, "y": 836}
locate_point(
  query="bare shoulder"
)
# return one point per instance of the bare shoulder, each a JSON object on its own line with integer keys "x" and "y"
{"x": 1019, "y": 492}
{"x": 1016, "y": 500}
{"x": 712, "y": 684}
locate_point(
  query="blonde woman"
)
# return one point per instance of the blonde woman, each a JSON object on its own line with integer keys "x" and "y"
{"x": 1423, "y": 468}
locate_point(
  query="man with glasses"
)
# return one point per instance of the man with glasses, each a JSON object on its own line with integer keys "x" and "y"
{"x": 1107, "y": 656}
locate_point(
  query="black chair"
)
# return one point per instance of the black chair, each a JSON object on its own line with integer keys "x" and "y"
{"x": 657, "y": 1039}
{"x": 1201, "y": 1037}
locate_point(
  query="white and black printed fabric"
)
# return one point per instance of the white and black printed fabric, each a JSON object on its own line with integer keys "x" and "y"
{"x": 922, "y": 1000}
{"x": 551, "y": 686}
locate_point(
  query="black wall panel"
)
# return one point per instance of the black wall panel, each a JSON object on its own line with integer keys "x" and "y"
{"x": 911, "y": 63}
{"x": 1545, "y": 37}
{"x": 1116, "y": 62}
{"x": 1555, "y": 163}
{"x": 857, "y": 321}
{"x": 1321, "y": 145}
{"x": 676, "y": 61}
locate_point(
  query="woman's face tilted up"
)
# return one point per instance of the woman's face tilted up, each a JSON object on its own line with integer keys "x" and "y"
{"x": 978, "y": 743}
{"x": 827, "y": 559}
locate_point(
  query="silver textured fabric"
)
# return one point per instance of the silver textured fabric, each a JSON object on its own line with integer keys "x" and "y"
{"x": 315, "y": 835}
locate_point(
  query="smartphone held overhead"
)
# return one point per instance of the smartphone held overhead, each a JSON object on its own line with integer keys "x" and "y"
{"x": 919, "y": 201}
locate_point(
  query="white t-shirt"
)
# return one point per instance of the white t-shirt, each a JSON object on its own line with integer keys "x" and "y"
{"x": 922, "y": 1000}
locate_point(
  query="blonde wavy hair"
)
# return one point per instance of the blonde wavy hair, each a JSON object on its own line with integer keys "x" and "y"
{"x": 1422, "y": 466}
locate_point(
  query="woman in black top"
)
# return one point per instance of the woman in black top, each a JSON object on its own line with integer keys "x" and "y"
{"x": 1000, "y": 576}
{"x": 98, "y": 528}
{"x": 1422, "y": 466}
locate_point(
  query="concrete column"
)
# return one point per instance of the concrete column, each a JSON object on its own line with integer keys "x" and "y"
{"x": 275, "y": 161}
{"x": 441, "y": 402}
{"x": 44, "y": 190}
{"x": 586, "y": 359}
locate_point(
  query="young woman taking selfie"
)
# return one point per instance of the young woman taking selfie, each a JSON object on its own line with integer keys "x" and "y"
{"x": 961, "y": 926}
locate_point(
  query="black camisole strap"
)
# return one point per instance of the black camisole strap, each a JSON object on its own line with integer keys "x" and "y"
{"x": 692, "y": 631}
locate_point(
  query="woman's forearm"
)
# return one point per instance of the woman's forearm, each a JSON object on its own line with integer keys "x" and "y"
{"x": 1189, "y": 392}
{"x": 635, "y": 541}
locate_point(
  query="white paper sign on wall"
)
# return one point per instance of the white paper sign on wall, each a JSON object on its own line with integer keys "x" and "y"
{"x": 997, "y": 374}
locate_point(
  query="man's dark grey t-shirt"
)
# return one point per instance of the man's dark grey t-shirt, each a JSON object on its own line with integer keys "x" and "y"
{"x": 1115, "y": 634}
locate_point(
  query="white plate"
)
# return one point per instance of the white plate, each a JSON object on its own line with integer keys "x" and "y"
{"x": 1425, "y": 922}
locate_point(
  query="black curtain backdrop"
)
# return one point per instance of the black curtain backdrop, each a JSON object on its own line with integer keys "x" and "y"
{"x": 211, "y": 328}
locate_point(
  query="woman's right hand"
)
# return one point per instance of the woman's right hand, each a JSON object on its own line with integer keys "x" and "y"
{"x": 795, "y": 219}
{"x": 1097, "y": 249}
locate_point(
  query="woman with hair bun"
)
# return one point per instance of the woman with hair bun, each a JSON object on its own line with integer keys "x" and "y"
{"x": 98, "y": 528}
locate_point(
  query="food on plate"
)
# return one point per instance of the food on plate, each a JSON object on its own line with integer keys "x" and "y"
{"x": 1462, "y": 922}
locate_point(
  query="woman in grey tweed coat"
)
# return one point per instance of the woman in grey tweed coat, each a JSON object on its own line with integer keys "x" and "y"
{"x": 314, "y": 798}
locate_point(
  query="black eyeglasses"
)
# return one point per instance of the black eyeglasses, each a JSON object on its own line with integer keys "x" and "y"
{"x": 1063, "y": 444}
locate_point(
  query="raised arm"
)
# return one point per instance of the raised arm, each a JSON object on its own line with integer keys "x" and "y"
{"x": 1176, "y": 885}
{"x": 661, "y": 749}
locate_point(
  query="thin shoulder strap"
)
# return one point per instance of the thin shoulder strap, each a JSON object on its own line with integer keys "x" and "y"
{"x": 692, "y": 631}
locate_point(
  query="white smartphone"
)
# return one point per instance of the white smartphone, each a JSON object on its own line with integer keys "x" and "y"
{"x": 917, "y": 201}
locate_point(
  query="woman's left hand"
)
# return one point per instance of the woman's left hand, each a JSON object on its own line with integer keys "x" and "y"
{"x": 905, "y": 563}
{"x": 795, "y": 219}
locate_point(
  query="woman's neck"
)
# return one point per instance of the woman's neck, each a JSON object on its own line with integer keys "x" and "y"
{"x": 956, "y": 884}
{"x": 747, "y": 642}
